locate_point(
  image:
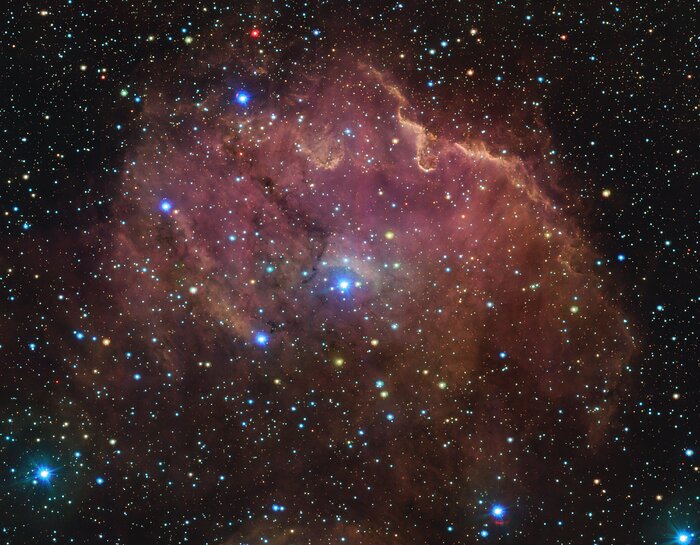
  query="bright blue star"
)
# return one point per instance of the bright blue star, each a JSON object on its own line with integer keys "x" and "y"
{"x": 261, "y": 339}
{"x": 43, "y": 473}
{"x": 683, "y": 537}
{"x": 166, "y": 206}
{"x": 242, "y": 98}
{"x": 100, "y": 480}
{"x": 689, "y": 452}
{"x": 498, "y": 511}
{"x": 343, "y": 284}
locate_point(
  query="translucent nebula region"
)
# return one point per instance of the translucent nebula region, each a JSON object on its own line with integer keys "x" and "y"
{"x": 369, "y": 329}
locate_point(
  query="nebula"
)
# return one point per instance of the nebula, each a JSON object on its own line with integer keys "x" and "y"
{"x": 345, "y": 323}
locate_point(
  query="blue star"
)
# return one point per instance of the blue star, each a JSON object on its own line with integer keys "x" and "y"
{"x": 242, "y": 98}
{"x": 261, "y": 339}
{"x": 43, "y": 473}
{"x": 166, "y": 206}
{"x": 498, "y": 512}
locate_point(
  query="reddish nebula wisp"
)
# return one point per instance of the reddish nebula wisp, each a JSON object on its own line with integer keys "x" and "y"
{"x": 400, "y": 311}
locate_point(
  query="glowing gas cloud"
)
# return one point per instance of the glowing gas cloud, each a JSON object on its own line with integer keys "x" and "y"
{"x": 362, "y": 317}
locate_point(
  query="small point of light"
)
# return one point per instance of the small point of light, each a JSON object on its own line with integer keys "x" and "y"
{"x": 100, "y": 480}
{"x": 255, "y": 33}
{"x": 689, "y": 452}
{"x": 137, "y": 376}
{"x": 621, "y": 257}
{"x": 502, "y": 355}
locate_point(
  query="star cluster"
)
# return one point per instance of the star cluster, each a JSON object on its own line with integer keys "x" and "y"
{"x": 349, "y": 273}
